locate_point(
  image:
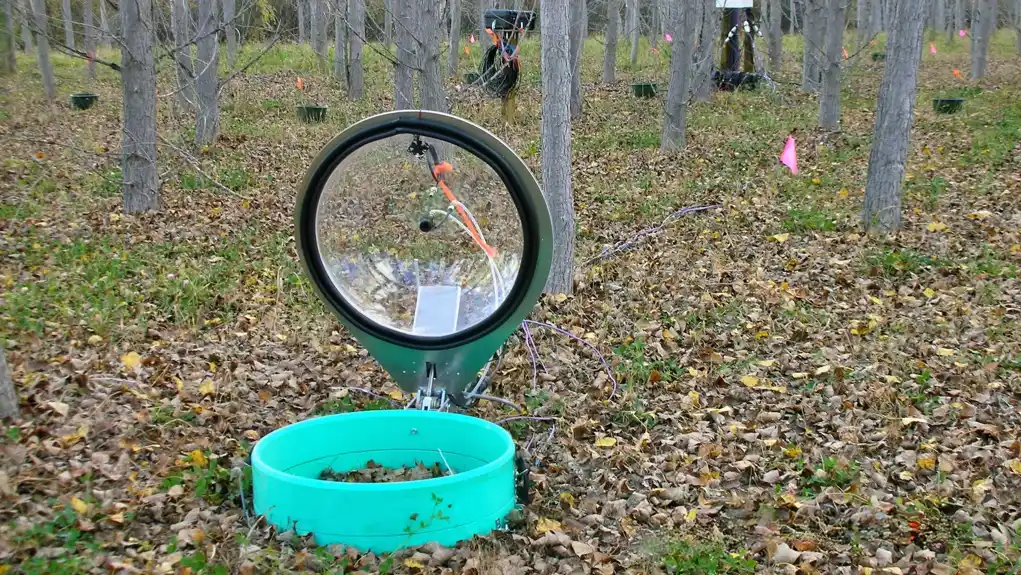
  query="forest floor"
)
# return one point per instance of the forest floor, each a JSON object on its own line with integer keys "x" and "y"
{"x": 791, "y": 391}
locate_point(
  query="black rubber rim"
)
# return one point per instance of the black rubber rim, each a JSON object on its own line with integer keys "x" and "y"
{"x": 429, "y": 128}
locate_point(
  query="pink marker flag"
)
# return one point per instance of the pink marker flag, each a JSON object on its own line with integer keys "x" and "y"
{"x": 471, "y": 38}
{"x": 962, "y": 33}
{"x": 932, "y": 48}
{"x": 668, "y": 37}
{"x": 789, "y": 157}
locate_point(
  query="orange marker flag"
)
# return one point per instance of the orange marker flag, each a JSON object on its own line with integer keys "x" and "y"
{"x": 957, "y": 73}
{"x": 300, "y": 84}
{"x": 845, "y": 53}
{"x": 467, "y": 51}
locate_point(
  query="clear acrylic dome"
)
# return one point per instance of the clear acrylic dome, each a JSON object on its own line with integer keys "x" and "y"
{"x": 419, "y": 235}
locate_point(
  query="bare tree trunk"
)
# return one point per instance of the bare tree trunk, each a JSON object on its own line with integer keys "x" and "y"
{"x": 407, "y": 59}
{"x": 829, "y": 101}
{"x": 138, "y": 75}
{"x": 861, "y": 25}
{"x": 634, "y": 28}
{"x": 939, "y": 15}
{"x": 576, "y": 37}
{"x": 875, "y": 17}
{"x": 982, "y": 28}
{"x": 705, "y": 54}
{"x": 775, "y": 36}
{"x": 652, "y": 33}
{"x": 355, "y": 75}
{"x": 894, "y": 116}
{"x": 104, "y": 27}
{"x": 180, "y": 24}
{"x": 68, "y": 23}
{"x": 1017, "y": 26}
{"x": 302, "y": 20}
{"x": 454, "y": 41}
{"x": 556, "y": 141}
{"x": 317, "y": 32}
{"x": 814, "y": 26}
{"x": 26, "y": 27}
{"x": 958, "y": 15}
{"x": 90, "y": 38}
{"x": 8, "y": 58}
{"x": 431, "y": 79}
{"x": 42, "y": 44}
{"x": 675, "y": 119}
{"x": 8, "y": 397}
{"x": 795, "y": 26}
{"x": 340, "y": 43}
{"x": 484, "y": 5}
{"x": 230, "y": 30}
{"x": 388, "y": 23}
{"x": 610, "y": 56}
{"x": 207, "y": 117}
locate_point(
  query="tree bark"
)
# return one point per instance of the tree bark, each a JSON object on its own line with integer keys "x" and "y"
{"x": 556, "y": 141}
{"x": 634, "y": 29}
{"x": 388, "y": 23}
{"x": 8, "y": 58}
{"x": 180, "y": 24}
{"x": 675, "y": 119}
{"x": 958, "y": 15}
{"x": 652, "y": 32}
{"x": 26, "y": 28}
{"x": 454, "y": 39}
{"x": 207, "y": 117}
{"x": 576, "y": 34}
{"x": 875, "y": 17}
{"x": 776, "y": 36}
{"x": 1017, "y": 26}
{"x": 705, "y": 54}
{"x": 939, "y": 15}
{"x": 795, "y": 26}
{"x": 68, "y": 23}
{"x": 829, "y": 101}
{"x": 814, "y": 26}
{"x": 42, "y": 44}
{"x": 90, "y": 38}
{"x": 610, "y": 56}
{"x": 340, "y": 43}
{"x": 104, "y": 27}
{"x": 8, "y": 396}
{"x": 861, "y": 25}
{"x": 407, "y": 59}
{"x": 318, "y": 33}
{"x": 431, "y": 78}
{"x": 302, "y": 33}
{"x": 982, "y": 28}
{"x": 230, "y": 30}
{"x": 894, "y": 116}
{"x": 484, "y": 5}
{"x": 355, "y": 74}
{"x": 138, "y": 76}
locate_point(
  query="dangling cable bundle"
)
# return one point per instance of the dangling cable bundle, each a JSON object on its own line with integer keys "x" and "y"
{"x": 499, "y": 72}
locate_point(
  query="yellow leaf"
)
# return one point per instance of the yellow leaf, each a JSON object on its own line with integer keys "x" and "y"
{"x": 937, "y": 226}
{"x": 396, "y": 394}
{"x": 750, "y": 380}
{"x": 944, "y": 352}
{"x": 910, "y": 420}
{"x": 792, "y": 452}
{"x": 929, "y": 293}
{"x": 545, "y": 525}
{"x": 927, "y": 462}
{"x": 690, "y": 515}
{"x": 1015, "y": 466}
{"x": 198, "y": 458}
{"x": 906, "y": 475}
{"x": 980, "y": 215}
{"x": 891, "y": 379}
{"x": 131, "y": 360}
{"x": 412, "y": 564}
{"x": 844, "y": 193}
{"x": 567, "y": 498}
{"x": 816, "y": 181}
{"x": 95, "y": 340}
{"x": 799, "y": 375}
{"x": 767, "y": 362}
{"x": 117, "y": 517}
{"x": 777, "y": 388}
{"x": 762, "y": 335}
{"x": 780, "y": 238}
{"x": 207, "y": 387}
{"x": 694, "y": 398}
{"x": 79, "y": 506}
{"x": 876, "y": 300}
{"x": 606, "y": 442}
{"x": 822, "y": 370}
{"x": 971, "y": 561}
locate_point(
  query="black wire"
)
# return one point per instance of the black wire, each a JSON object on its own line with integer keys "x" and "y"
{"x": 497, "y": 76}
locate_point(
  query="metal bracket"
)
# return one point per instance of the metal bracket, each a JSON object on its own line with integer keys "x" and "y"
{"x": 427, "y": 398}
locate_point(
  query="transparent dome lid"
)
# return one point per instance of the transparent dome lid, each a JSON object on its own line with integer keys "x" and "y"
{"x": 419, "y": 235}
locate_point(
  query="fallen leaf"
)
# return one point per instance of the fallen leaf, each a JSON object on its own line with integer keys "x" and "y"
{"x": 581, "y": 549}
{"x": 60, "y": 407}
{"x": 929, "y": 293}
{"x": 207, "y": 387}
{"x": 606, "y": 442}
{"x": 131, "y": 360}
{"x": 910, "y": 420}
{"x": 95, "y": 339}
{"x": 412, "y": 564}
{"x": 944, "y": 352}
{"x": 691, "y": 515}
{"x": 780, "y": 238}
{"x": 937, "y": 226}
{"x": 117, "y": 518}
{"x": 1014, "y": 465}
{"x": 750, "y": 381}
{"x": 396, "y": 395}
{"x": 79, "y": 506}
{"x": 927, "y": 462}
{"x": 198, "y": 458}
{"x": 784, "y": 554}
{"x": 545, "y": 525}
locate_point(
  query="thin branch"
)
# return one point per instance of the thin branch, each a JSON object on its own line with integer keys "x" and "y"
{"x": 194, "y": 164}
{"x": 254, "y": 59}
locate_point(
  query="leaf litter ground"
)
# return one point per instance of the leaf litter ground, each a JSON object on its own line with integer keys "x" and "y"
{"x": 794, "y": 394}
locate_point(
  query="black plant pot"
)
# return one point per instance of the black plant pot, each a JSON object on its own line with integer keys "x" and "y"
{"x": 83, "y": 101}
{"x": 947, "y": 105}
{"x": 644, "y": 90}
{"x": 311, "y": 114}
{"x": 878, "y": 56}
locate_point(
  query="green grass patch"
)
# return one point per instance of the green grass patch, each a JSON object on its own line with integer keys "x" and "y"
{"x": 810, "y": 220}
{"x": 688, "y": 558}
